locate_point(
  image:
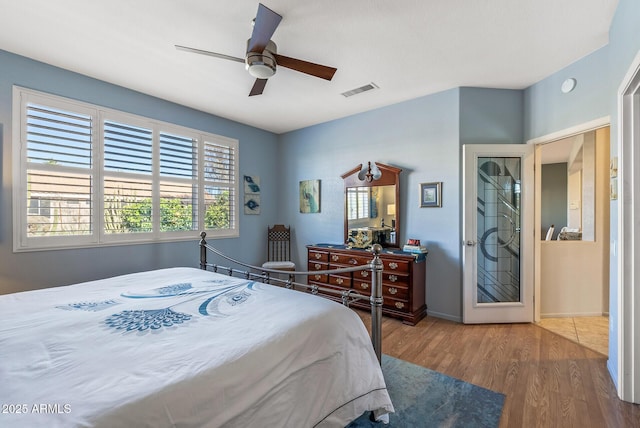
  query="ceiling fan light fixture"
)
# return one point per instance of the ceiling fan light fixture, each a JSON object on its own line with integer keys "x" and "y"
{"x": 261, "y": 70}
{"x": 262, "y": 65}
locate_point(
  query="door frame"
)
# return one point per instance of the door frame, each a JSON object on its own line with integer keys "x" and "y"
{"x": 628, "y": 327}
{"x": 538, "y": 143}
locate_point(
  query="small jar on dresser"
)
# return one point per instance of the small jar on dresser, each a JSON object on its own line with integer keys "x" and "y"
{"x": 403, "y": 278}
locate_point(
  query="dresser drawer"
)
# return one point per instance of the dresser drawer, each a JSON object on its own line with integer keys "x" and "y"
{"x": 396, "y": 265}
{"x": 388, "y": 291}
{"x": 362, "y": 286}
{"x": 340, "y": 281}
{"x": 313, "y": 266}
{"x": 318, "y": 256}
{"x": 349, "y": 259}
{"x": 318, "y": 278}
{"x": 392, "y": 278}
{"x": 395, "y": 304}
{"x": 395, "y": 292}
{"x": 363, "y": 275}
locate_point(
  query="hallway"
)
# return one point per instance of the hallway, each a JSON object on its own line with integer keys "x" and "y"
{"x": 591, "y": 332}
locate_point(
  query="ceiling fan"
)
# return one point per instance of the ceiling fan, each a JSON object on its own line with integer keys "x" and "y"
{"x": 262, "y": 58}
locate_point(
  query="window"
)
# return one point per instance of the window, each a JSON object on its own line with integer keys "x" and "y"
{"x": 86, "y": 176}
{"x": 358, "y": 198}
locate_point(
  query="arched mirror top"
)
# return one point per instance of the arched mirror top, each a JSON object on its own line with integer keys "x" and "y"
{"x": 372, "y": 205}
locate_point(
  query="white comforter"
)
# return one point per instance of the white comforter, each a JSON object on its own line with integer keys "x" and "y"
{"x": 183, "y": 347}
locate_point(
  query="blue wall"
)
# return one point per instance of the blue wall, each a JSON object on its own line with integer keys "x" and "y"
{"x": 24, "y": 271}
{"x": 548, "y": 110}
{"x": 423, "y": 137}
{"x": 491, "y": 116}
{"x": 599, "y": 77}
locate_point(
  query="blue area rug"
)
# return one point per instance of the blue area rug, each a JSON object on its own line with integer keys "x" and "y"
{"x": 424, "y": 398}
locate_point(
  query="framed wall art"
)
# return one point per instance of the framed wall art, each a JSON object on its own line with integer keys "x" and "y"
{"x": 310, "y": 196}
{"x": 431, "y": 194}
{"x": 251, "y": 194}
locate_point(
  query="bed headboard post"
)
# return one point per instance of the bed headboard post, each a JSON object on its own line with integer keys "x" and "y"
{"x": 203, "y": 251}
{"x": 376, "y": 301}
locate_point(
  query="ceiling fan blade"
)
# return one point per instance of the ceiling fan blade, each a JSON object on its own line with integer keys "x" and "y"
{"x": 317, "y": 70}
{"x": 258, "y": 87}
{"x": 264, "y": 26}
{"x": 209, "y": 53}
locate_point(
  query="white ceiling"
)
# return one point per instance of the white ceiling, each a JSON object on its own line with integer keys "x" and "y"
{"x": 409, "y": 48}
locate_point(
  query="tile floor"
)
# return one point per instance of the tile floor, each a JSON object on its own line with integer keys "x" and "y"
{"x": 592, "y": 332}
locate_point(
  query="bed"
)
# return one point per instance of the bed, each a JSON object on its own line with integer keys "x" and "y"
{"x": 184, "y": 347}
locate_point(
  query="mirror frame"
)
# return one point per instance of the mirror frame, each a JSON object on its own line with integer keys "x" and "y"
{"x": 390, "y": 176}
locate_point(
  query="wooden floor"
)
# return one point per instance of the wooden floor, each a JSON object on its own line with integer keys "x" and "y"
{"x": 548, "y": 380}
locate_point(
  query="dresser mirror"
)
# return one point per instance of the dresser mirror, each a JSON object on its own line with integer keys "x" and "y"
{"x": 372, "y": 205}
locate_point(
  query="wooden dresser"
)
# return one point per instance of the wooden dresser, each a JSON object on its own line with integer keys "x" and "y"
{"x": 403, "y": 278}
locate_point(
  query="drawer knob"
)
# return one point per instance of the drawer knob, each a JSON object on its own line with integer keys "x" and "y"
{"x": 334, "y": 258}
{"x": 317, "y": 266}
{"x": 318, "y": 277}
{"x": 393, "y": 290}
{"x": 364, "y": 285}
{"x": 339, "y": 281}
{"x": 353, "y": 261}
{"x": 399, "y": 305}
{"x": 364, "y": 273}
{"x": 318, "y": 256}
{"x": 393, "y": 265}
{"x": 393, "y": 278}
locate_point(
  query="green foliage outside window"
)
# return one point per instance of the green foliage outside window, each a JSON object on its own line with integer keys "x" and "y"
{"x": 218, "y": 213}
{"x": 175, "y": 215}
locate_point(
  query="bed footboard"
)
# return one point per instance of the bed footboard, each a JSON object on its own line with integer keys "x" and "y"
{"x": 261, "y": 274}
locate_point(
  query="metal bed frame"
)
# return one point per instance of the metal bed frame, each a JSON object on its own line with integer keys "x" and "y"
{"x": 347, "y": 296}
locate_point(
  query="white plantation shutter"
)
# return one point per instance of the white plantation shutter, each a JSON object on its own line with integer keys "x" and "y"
{"x": 178, "y": 182}
{"x": 358, "y": 203}
{"x": 127, "y": 148}
{"x": 59, "y": 174}
{"x": 220, "y": 185}
{"x": 88, "y": 176}
{"x": 128, "y": 181}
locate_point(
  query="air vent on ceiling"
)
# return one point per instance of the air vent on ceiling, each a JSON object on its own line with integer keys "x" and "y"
{"x": 367, "y": 87}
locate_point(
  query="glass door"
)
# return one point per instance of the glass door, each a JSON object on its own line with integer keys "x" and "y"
{"x": 498, "y": 233}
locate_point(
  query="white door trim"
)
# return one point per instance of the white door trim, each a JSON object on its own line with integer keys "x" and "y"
{"x": 574, "y": 130}
{"x": 628, "y": 375}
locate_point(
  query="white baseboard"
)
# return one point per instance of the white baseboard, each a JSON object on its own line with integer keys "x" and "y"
{"x": 575, "y": 314}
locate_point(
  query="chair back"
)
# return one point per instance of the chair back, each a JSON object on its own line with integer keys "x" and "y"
{"x": 278, "y": 243}
{"x": 550, "y": 233}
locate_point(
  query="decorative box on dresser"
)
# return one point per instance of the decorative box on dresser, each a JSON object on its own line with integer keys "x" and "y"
{"x": 403, "y": 278}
